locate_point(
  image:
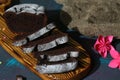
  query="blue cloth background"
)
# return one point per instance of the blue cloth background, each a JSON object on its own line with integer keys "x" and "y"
{"x": 99, "y": 69}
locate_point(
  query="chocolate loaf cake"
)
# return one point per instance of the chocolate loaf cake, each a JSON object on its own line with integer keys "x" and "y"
{"x": 57, "y": 67}
{"x": 46, "y": 43}
{"x": 25, "y": 18}
{"x": 28, "y": 21}
{"x": 59, "y": 54}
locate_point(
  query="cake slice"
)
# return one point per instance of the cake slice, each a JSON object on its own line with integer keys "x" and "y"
{"x": 53, "y": 41}
{"x": 23, "y": 39}
{"x": 46, "y": 43}
{"x": 59, "y": 54}
{"x": 57, "y": 67}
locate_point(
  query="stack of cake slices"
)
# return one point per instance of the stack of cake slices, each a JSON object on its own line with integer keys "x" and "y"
{"x": 35, "y": 35}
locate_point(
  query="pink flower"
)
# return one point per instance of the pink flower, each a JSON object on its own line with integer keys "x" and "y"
{"x": 116, "y": 59}
{"x": 103, "y": 45}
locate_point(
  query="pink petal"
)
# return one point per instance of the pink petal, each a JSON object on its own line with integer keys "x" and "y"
{"x": 113, "y": 63}
{"x": 96, "y": 43}
{"x": 114, "y": 54}
{"x": 108, "y": 39}
{"x": 101, "y": 39}
{"x": 111, "y": 47}
{"x": 103, "y": 53}
{"x": 98, "y": 47}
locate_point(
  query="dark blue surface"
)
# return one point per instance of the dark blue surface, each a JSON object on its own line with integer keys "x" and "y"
{"x": 49, "y": 4}
{"x": 10, "y": 68}
{"x": 99, "y": 71}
